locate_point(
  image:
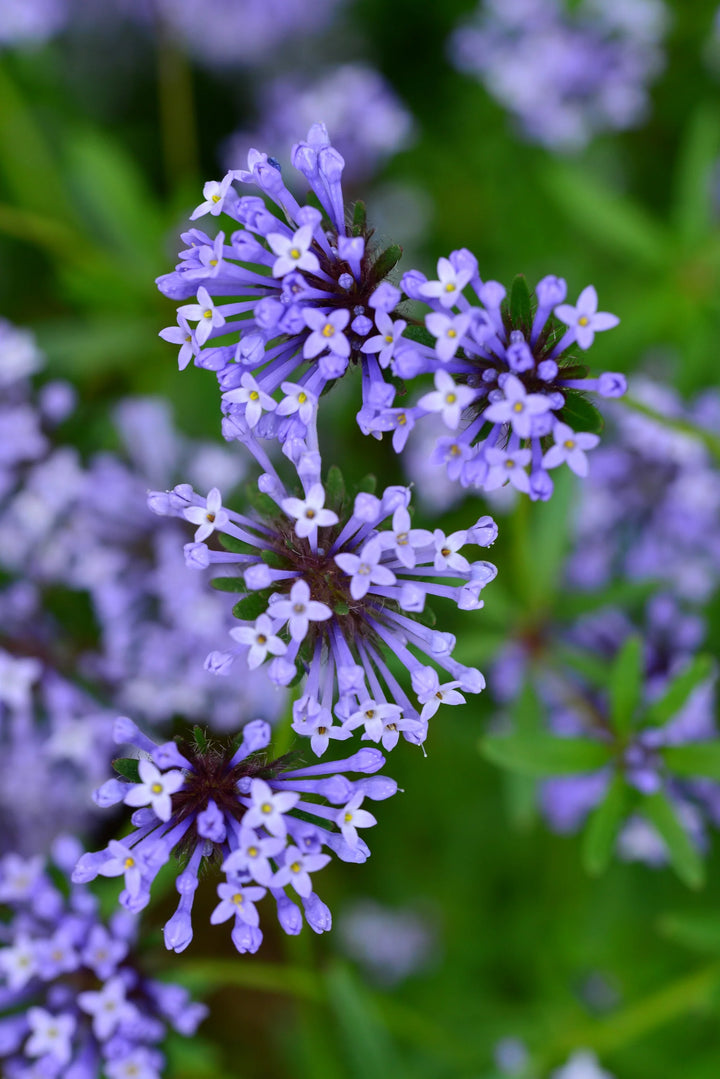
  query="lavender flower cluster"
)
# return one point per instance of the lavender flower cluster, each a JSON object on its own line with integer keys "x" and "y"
{"x": 566, "y": 72}
{"x": 318, "y": 300}
{"x": 73, "y": 997}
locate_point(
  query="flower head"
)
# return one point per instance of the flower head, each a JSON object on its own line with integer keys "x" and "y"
{"x": 332, "y": 594}
{"x": 117, "y": 1016}
{"x": 303, "y": 294}
{"x": 268, "y": 822}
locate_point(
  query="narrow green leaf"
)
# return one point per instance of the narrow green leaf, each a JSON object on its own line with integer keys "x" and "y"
{"x": 603, "y": 827}
{"x": 520, "y": 305}
{"x": 201, "y": 738}
{"x": 228, "y": 584}
{"x": 627, "y": 594}
{"x": 260, "y": 501}
{"x": 588, "y": 664}
{"x": 369, "y": 1051}
{"x": 693, "y": 212}
{"x": 626, "y": 678}
{"x": 367, "y": 484}
{"x": 607, "y": 217}
{"x": 695, "y": 929}
{"x": 249, "y": 608}
{"x": 543, "y": 755}
{"x": 128, "y": 768}
{"x": 359, "y": 222}
{"x": 230, "y": 543}
{"x": 272, "y": 558}
{"x": 419, "y": 334}
{"x": 677, "y": 693}
{"x": 334, "y": 487}
{"x": 695, "y": 759}
{"x": 683, "y": 853}
{"x": 543, "y": 543}
{"x": 387, "y": 261}
{"x": 581, "y": 414}
{"x": 207, "y": 975}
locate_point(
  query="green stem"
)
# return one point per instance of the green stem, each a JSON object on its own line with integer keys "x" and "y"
{"x": 177, "y": 111}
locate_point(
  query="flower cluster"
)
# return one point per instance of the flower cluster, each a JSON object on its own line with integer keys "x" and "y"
{"x": 308, "y": 292}
{"x": 74, "y": 999}
{"x": 368, "y": 122}
{"x": 267, "y": 821}
{"x": 565, "y": 71}
{"x": 331, "y": 593}
{"x": 507, "y": 383}
{"x": 54, "y": 747}
{"x": 86, "y": 528}
{"x": 651, "y": 508}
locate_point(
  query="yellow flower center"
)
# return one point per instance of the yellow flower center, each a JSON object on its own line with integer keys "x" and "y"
{"x": 389, "y": 338}
{"x": 328, "y": 330}
{"x": 295, "y": 253}
{"x": 302, "y": 398}
{"x": 518, "y": 406}
{"x": 402, "y": 539}
{"x": 213, "y": 262}
{"x": 569, "y": 443}
{"x": 252, "y": 852}
{"x": 156, "y": 788}
{"x": 216, "y": 198}
{"x": 295, "y": 867}
{"x": 310, "y": 514}
{"x": 266, "y": 807}
{"x": 261, "y": 638}
{"x": 445, "y": 551}
{"x": 348, "y": 818}
{"x": 129, "y": 863}
{"x": 210, "y": 517}
{"x": 454, "y": 450}
{"x": 370, "y": 713}
{"x": 451, "y": 398}
{"x": 322, "y": 730}
{"x": 509, "y": 463}
{"x": 298, "y": 608}
{"x": 207, "y": 314}
{"x": 402, "y": 419}
{"x": 449, "y": 287}
{"x": 583, "y": 320}
{"x": 238, "y": 899}
{"x": 452, "y": 333}
{"x": 254, "y": 395}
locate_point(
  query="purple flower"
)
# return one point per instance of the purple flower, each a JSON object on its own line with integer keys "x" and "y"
{"x": 301, "y": 294}
{"x": 504, "y": 377}
{"x": 95, "y": 1015}
{"x": 265, "y": 820}
{"x": 332, "y": 602}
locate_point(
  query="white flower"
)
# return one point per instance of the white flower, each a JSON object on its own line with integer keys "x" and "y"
{"x": 261, "y": 640}
{"x": 254, "y": 398}
{"x": 309, "y": 513}
{"x": 293, "y": 251}
{"x": 155, "y": 789}
{"x": 447, "y": 398}
{"x": 208, "y": 518}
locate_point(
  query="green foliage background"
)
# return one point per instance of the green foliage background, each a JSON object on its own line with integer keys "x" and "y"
{"x": 101, "y": 158}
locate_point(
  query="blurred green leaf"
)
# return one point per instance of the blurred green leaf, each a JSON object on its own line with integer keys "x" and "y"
{"x": 543, "y": 755}
{"x": 520, "y": 304}
{"x": 229, "y": 584}
{"x": 251, "y": 607}
{"x": 334, "y": 487}
{"x": 693, "y": 210}
{"x": 543, "y": 544}
{"x": 603, "y": 828}
{"x": 626, "y": 681}
{"x": 661, "y": 711}
{"x": 368, "y": 1050}
{"x": 684, "y": 855}
{"x": 695, "y": 929}
{"x": 608, "y": 218}
{"x": 694, "y": 759}
{"x": 230, "y": 543}
{"x": 207, "y": 975}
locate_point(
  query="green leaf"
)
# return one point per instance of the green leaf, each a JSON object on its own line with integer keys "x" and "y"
{"x": 613, "y": 221}
{"x": 683, "y": 853}
{"x": 369, "y": 1051}
{"x": 228, "y": 584}
{"x": 588, "y": 664}
{"x": 603, "y": 827}
{"x": 695, "y": 759}
{"x": 543, "y": 548}
{"x": 230, "y": 543}
{"x": 335, "y": 487}
{"x": 260, "y": 502}
{"x": 207, "y": 975}
{"x": 201, "y": 738}
{"x": 387, "y": 261}
{"x": 626, "y": 679}
{"x": 252, "y": 606}
{"x": 627, "y": 594}
{"x": 359, "y": 222}
{"x": 419, "y": 334}
{"x": 272, "y": 558}
{"x": 520, "y": 304}
{"x": 543, "y": 755}
{"x": 695, "y": 929}
{"x": 693, "y": 213}
{"x": 581, "y": 414}
{"x": 128, "y": 768}
{"x": 677, "y": 693}
{"x": 340, "y": 607}
{"x": 367, "y": 484}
